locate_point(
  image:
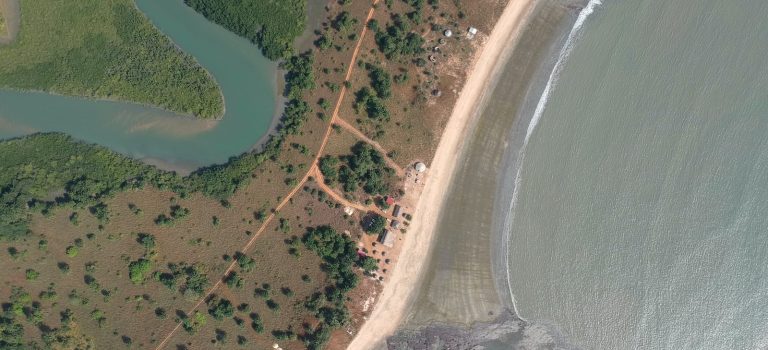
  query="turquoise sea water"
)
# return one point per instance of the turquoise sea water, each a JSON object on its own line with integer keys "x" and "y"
{"x": 640, "y": 218}
{"x": 247, "y": 80}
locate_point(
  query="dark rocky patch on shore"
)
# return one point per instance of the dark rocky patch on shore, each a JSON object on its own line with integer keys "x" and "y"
{"x": 506, "y": 332}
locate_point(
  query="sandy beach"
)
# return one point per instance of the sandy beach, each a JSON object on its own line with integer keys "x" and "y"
{"x": 398, "y": 293}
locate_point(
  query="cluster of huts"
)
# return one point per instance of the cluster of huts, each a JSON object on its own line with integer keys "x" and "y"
{"x": 388, "y": 236}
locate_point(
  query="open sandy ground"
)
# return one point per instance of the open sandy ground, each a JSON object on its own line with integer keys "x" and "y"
{"x": 10, "y": 11}
{"x": 394, "y": 301}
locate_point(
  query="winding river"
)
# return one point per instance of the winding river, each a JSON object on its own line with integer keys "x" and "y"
{"x": 247, "y": 79}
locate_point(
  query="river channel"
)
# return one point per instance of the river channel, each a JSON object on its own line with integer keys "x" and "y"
{"x": 247, "y": 79}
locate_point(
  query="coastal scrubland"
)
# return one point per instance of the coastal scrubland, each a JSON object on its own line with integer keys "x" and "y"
{"x": 120, "y": 56}
{"x": 276, "y": 245}
{"x": 271, "y": 25}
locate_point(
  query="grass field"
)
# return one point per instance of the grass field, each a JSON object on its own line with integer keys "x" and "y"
{"x": 104, "y": 49}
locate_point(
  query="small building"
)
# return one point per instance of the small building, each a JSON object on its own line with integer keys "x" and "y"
{"x": 349, "y": 211}
{"x": 448, "y": 33}
{"x": 420, "y": 167}
{"x": 396, "y": 211}
{"x": 387, "y": 238}
{"x": 389, "y": 200}
{"x": 471, "y": 32}
{"x": 395, "y": 224}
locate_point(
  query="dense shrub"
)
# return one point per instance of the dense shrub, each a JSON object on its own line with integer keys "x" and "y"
{"x": 189, "y": 279}
{"x": 375, "y": 224}
{"x": 220, "y": 308}
{"x": 398, "y": 40}
{"x": 370, "y": 103}
{"x": 272, "y": 25}
{"x": 365, "y": 167}
{"x": 343, "y": 21}
{"x": 381, "y": 81}
{"x": 329, "y": 168}
{"x": 138, "y": 269}
{"x": 300, "y": 75}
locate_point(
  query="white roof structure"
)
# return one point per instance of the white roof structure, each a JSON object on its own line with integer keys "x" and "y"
{"x": 448, "y": 33}
{"x": 420, "y": 167}
{"x": 471, "y": 32}
{"x": 349, "y": 211}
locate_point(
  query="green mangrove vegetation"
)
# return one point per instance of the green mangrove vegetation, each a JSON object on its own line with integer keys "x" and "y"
{"x": 271, "y": 25}
{"x": 121, "y": 56}
{"x": 44, "y": 171}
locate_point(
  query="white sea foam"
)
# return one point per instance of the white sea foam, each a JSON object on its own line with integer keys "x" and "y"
{"x": 573, "y": 37}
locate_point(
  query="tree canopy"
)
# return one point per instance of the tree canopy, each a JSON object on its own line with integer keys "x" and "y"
{"x": 272, "y": 25}
{"x": 398, "y": 40}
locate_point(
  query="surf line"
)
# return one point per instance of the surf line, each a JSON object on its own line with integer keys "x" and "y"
{"x": 573, "y": 37}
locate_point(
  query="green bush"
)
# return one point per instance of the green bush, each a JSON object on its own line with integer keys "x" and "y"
{"x": 370, "y": 103}
{"x": 188, "y": 279}
{"x": 146, "y": 240}
{"x": 343, "y": 22}
{"x": 381, "y": 81}
{"x": 32, "y": 275}
{"x": 194, "y": 323}
{"x": 220, "y": 308}
{"x": 138, "y": 269}
{"x": 246, "y": 263}
{"x": 72, "y": 251}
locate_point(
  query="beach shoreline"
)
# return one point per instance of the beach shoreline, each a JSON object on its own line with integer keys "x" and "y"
{"x": 398, "y": 294}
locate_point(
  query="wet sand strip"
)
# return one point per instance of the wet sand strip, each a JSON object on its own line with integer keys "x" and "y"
{"x": 465, "y": 281}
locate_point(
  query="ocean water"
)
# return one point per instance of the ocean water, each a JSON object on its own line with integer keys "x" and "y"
{"x": 640, "y": 219}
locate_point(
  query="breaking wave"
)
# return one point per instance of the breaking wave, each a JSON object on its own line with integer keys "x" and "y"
{"x": 573, "y": 37}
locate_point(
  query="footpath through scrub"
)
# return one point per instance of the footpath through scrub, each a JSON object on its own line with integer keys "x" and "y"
{"x": 313, "y": 170}
{"x": 359, "y": 134}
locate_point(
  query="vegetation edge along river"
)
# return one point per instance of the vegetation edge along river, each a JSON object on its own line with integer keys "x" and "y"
{"x": 120, "y": 57}
{"x": 100, "y": 172}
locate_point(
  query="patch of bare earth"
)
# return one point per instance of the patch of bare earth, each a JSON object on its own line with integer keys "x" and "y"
{"x": 10, "y": 20}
